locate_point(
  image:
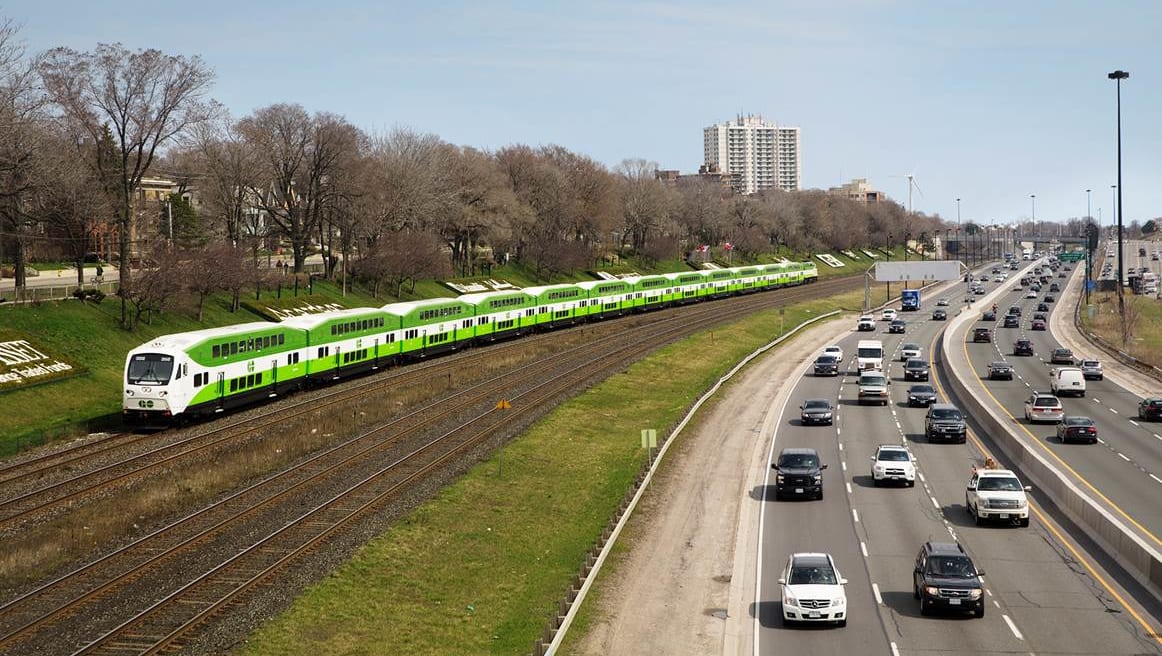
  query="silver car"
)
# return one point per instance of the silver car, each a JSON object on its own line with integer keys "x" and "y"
{"x": 1092, "y": 370}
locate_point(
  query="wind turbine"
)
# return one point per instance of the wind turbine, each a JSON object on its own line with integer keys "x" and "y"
{"x": 911, "y": 184}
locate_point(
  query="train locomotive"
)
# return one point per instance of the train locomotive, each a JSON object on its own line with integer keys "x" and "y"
{"x": 205, "y": 372}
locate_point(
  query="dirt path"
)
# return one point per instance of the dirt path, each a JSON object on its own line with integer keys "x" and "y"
{"x": 684, "y": 582}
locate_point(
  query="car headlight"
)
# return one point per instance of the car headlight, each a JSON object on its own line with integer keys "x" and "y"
{"x": 790, "y": 600}
{"x": 931, "y": 589}
{"x": 839, "y": 601}
{"x": 779, "y": 478}
{"x": 974, "y": 594}
{"x": 877, "y": 467}
{"x": 1021, "y": 503}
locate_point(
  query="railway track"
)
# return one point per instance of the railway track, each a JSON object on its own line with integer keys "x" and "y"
{"x": 229, "y": 549}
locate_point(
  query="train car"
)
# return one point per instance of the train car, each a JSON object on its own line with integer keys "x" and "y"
{"x": 722, "y": 282}
{"x": 503, "y": 314}
{"x": 432, "y": 326}
{"x": 348, "y": 342}
{"x": 556, "y": 305}
{"x": 806, "y": 272}
{"x": 650, "y": 292}
{"x": 207, "y": 371}
{"x": 689, "y": 286}
{"x": 607, "y": 298}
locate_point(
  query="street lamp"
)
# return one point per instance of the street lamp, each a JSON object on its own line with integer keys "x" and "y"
{"x": 1118, "y": 76}
{"x": 958, "y": 228}
{"x": 888, "y": 252}
{"x": 1035, "y": 227}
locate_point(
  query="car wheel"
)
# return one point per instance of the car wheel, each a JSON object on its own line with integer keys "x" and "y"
{"x": 820, "y": 495}
{"x": 915, "y": 590}
{"x": 842, "y": 623}
{"x": 1025, "y": 522}
{"x": 1093, "y": 441}
{"x": 875, "y": 481}
{"x": 925, "y": 607}
{"x": 979, "y": 612}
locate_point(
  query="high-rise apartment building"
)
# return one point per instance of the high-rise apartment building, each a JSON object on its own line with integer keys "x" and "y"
{"x": 764, "y": 155}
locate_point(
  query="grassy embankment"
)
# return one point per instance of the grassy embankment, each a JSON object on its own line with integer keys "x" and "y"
{"x": 478, "y": 569}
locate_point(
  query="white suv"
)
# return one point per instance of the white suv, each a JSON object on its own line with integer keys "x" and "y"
{"x": 892, "y": 462}
{"x": 997, "y": 494}
{"x": 813, "y": 590}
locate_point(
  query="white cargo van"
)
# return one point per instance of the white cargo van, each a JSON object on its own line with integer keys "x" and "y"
{"x": 869, "y": 354}
{"x": 1067, "y": 380}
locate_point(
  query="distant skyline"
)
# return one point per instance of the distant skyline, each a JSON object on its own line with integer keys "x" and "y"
{"x": 990, "y": 102}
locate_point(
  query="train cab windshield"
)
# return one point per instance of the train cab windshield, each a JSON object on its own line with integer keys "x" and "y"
{"x": 149, "y": 369}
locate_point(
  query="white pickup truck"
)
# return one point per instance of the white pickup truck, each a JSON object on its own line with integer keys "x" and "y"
{"x": 997, "y": 494}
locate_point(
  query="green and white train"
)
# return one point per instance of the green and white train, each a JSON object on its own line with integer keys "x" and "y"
{"x": 204, "y": 372}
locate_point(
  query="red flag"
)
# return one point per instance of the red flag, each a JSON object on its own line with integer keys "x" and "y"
{"x": 703, "y": 248}
{"x": 728, "y": 246}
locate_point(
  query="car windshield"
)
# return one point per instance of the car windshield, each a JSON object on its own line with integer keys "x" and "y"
{"x": 982, "y": 331}
{"x": 870, "y": 353}
{"x": 1005, "y": 484}
{"x": 1078, "y": 421}
{"x": 826, "y": 359}
{"x": 1090, "y": 363}
{"x": 894, "y": 455}
{"x": 816, "y": 405}
{"x": 922, "y": 389}
{"x": 910, "y": 347}
{"x": 872, "y": 380}
{"x": 951, "y": 566}
{"x": 916, "y": 364}
{"x": 945, "y": 414}
{"x": 811, "y": 575}
{"x": 798, "y": 460}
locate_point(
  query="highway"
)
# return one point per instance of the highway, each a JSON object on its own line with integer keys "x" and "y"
{"x": 1044, "y": 595}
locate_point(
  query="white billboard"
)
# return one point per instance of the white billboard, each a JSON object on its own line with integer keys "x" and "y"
{"x": 925, "y": 271}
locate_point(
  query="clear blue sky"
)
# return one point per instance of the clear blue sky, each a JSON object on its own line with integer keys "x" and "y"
{"x": 986, "y": 101}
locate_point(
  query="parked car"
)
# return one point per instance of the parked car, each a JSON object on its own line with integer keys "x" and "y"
{"x": 897, "y": 326}
{"x": 939, "y": 315}
{"x": 815, "y": 411}
{"x": 945, "y": 578}
{"x": 813, "y": 590}
{"x": 997, "y": 494}
{"x": 1092, "y": 369}
{"x": 798, "y": 472}
{"x": 1043, "y": 407}
{"x": 916, "y": 369}
{"x": 1061, "y": 356}
{"x": 826, "y": 365}
{"x": 921, "y": 395}
{"x": 1075, "y": 428}
{"x": 982, "y": 335}
{"x": 1000, "y": 370}
{"x": 908, "y": 351}
{"x": 1150, "y": 409}
{"x": 1023, "y": 346}
{"x": 892, "y": 462}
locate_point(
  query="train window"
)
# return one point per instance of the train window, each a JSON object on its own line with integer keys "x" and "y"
{"x": 266, "y": 342}
{"x": 233, "y": 348}
{"x": 258, "y": 378}
{"x": 281, "y": 339}
{"x": 250, "y": 380}
{"x": 233, "y": 384}
{"x": 216, "y": 351}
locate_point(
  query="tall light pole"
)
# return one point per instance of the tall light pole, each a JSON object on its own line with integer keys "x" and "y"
{"x": 1036, "y": 229}
{"x": 1118, "y": 76}
{"x": 958, "y": 229}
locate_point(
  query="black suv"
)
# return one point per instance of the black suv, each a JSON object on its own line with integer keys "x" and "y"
{"x": 1012, "y": 321}
{"x": 916, "y": 369}
{"x": 1023, "y": 347}
{"x": 827, "y": 365}
{"x": 1150, "y": 409}
{"x": 944, "y": 422}
{"x": 798, "y": 473}
{"x": 945, "y": 578}
{"x": 982, "y": 335}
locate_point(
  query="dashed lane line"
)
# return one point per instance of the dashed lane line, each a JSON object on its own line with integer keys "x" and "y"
{"x": 1122, "y": 456}
{"x": 876, "y": 591}
{"x": 1156, "y": 478}
{"x": 863, "y": 548}
{"x": 848, "y": 487}
{"x": 855, "y": 515}
{"x": 1013, "y": 628}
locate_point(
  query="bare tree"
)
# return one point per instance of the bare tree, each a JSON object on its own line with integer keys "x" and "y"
{"x": 399, "y": 258}
{"x": 146, "y": 98}
{"x": 22, "y": 128}
{"x": 483, "y": 206}
{"x": 211, "y": 269}
{"x": 298, "y": 155}
{"x": 644, "y": 202}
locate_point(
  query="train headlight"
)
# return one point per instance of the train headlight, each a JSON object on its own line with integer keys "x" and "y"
{"x": 128, "y": 392}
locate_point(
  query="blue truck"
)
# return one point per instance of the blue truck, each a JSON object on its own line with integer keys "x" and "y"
{"x": 910, "y": 300}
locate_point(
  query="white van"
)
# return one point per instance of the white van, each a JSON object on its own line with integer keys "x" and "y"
{"x": 869, "y": 354}
{"x": 1067, "y": 380}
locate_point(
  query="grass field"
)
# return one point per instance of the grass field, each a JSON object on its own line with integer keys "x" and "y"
{"x": 479, "y": 569}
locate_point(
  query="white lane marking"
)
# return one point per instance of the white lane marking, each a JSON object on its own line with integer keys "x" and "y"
{"x": 1157, "y": 436}
{"x": 848, "y": 487}
{"x": 1096, "y": 400}
{"x": 1113, "y": 411}
{"x": 988, "y": 592}
{"x": 855, "y": 515}
{"x": 1013, "y": 627}
{"x": 921, "y": 475}
{"x": 1100, "y": 441}
{"x": 1156, "y": 478}
{"x": 1133, "y": 422}
{"x": 1122, "y": 456}
{"x": 841, "y": 446}
{"x": 863, "y": 548}
{"x": 876, "y": 590}
{"x": 935, "y": 502}
{"x": 895, "y": 650}
{"x": 843, "y": 464}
